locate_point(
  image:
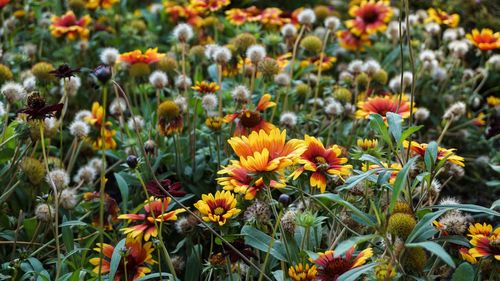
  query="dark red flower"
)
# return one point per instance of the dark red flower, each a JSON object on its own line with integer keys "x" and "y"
{"x": 37, "y": 109}
{"x": 64, "y": 71}
{"x": 174, "y": 188}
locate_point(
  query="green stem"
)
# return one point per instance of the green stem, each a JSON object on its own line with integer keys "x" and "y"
{"x": 102, "y": 180}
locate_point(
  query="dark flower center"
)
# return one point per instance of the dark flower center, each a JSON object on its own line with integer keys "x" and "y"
{"x": 250, "y": 119}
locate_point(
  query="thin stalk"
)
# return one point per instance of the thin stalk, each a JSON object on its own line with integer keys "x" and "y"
{"x": 6, "y": 120}
{"x": 193, "y": 137}
{"x": 320, "y": 68}
{"x": 292, "y": 61}
{"x": 102, "y": 180}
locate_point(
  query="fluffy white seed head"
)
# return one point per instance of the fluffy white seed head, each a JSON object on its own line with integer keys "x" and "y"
{"x": 45, "y": 212}
{"x": 256, "y": 53}
{"x": 422, "y": 114}
{"x": 282, "y": 79}
{"x": 355, "y": 66}
{"x": 458, "y": 48}
{"x": 494, "y": 62}
{"x": 135, "y": 123}
{"x": 68, "y": 199}
{"x": 455, "y": 111}
{"x": 51, "y": 123}
{"x": 158, "y": 79}
{"x": 332, "y": 23}
{"x": 2, "y": 109}
{"x": 439, "y": 73}
{"x": 181, "y": 103}
{"x": 209, "y": 102}
{"x": 118, "y": 106}
{"x": 109, "y": 56}
{"x": 82, "y": 115}
{"x": 307, "y": 16}
{"x": 13, "y": 92}
{"x": 395, "y": 84}
{"x": 96, "y": 163}
{"x": 87, "y": 174}
{"x": 222, "y": 55}
{"x": 450, "y": 34}
{"x": 288, "y": 30}
{"x": 334, "y": 108}
{"x": 58, "y": 177}
{"x": 427, "y": 55}
{"x": 79, "y": 129}
{"x": 29, "y": 83}
{"x": 183, "y": 82}
{"x": 183, "y": 32}
{"x": 433, "y": 28}
{"x": 288, "y": 119}
{"x": 240, "y": 93}
{"x": 209, "y": 50}
{"x": 72, "y": 85}
{"x": 370, "y": 67}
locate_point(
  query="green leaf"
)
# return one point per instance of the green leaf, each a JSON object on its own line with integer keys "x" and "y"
{"x": 30, "y": 227}
{"x": 434, "y": 248}
{"x": 345, "y": 245}
{"x": 353, "y": 274}
{"x": 278, "y": 275}
{"x": 377, "y": 123}
{"x": 372, "y": 159}
{"x": 155, "y": 276}
{"x": 115, "y": 259}
{"x": 408, "y": 132}
{"x": 366, "y": 218}
{"x": 123, "y": 186}
{"x": 394, "y": 121}
{"x": 424, "y": 227}
{"x": 400, "y": 182}
{"x": 261, "y": 241}
{"x": 195, "y": 264}
{"x": 67, "y": 236}
{"x": 464, "y": 272}
{"x": 430, "y": 155}
{"x": 354, "y": 180}
{"x": 454, "y": 239}
{"x": 72, "y": 223}
{"x": 495, "y": 168}
{"x": 467, "y": 208}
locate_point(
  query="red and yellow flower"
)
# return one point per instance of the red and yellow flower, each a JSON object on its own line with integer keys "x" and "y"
{"x": 69, "y": 26}
{"x": 264, "y": 152}
{"x": 155, "y": 212}
{"x": 205, "y": 87}
{"x": 237, "y": 16}
{"x": 218, "y": 208}
{"x": 485, "y": 39}
{"x": 209, "y": 5}
{"x": 252, "y": 120}
{"x": 330, "y": 267}
{"x": 133, "y": 264}
{"x": 321, "y": 162}
{"x": 186, "y": 14}
{"x": 326, "y": 62}
{"x": 466, "y": 256}
{"x": 273, "y": 17}
{"x": 383, "y": 104}
{"x": 105, "y": 4}
{"x": 300, "y": 272}
{"x": 237, "y": 179}
{"x": 449, "y": 154}
{"x": 104, "y": 139}
{"x": 137, "y": 56}
{"x": 370, "y": 16}
{"x": 441, "y": 17}
{"x": 111, "y": 209}
{"x": 352, "y": 42}
{"x": 485, "y": 241}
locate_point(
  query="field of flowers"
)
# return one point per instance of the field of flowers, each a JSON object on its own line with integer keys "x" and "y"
{"x": 249, "y": 140}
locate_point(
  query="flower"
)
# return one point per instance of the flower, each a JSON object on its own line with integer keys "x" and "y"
{"x": 485, "y": 40}
{"x": 218, "y": 208}
{"x": 209, "y": 5}
{"x": 169, "y": 118}
{"x": 105, "y": 4}
{"x": 466, "y": 256}
{"x": 493, "y": 101}
{"x": 441, "y": 17}
{"x": 237, "y": 16}
{"x": 369, "y": 17}
{"x": 64, "y": 71}
{"x": 263, "y": 152}
{"x": 238, "y": 180}
{"x": 442, "y": 153}
{"x": 111, "y": 209}
{"x": 299, "y": 272}
{"x": 382, "y": 105}
{"x": 331, "y": 267}
{"x": 352, "y": 42}
{"x": 272, "y": 16}
{"x": 321, "y": 162}
{"x": 174, "y": 188}
{"x": 96, "y": 119}
{"x": 205, "y": 87}
{"x": 325, "y": 61}
{"x": 37, "y": 109}
{"x": 13, "y": 92}
{"x": 136, "y": 56}
{"x": 251, "y": 120}
{"x": 136, "y": 257}
{"x": 367, "y": 144}
{"x": 484, "y": 241}
{"x": 155, "y": 212}
{"x": 71, "y": 27}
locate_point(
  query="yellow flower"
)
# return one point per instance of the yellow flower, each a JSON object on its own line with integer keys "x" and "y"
{"x": 299, "y": 272}
{"x": 266, "y": 152}
{"x": 218, "y": 208}
{"x": 441, "y": 17}
{"x": 485, "y": 241}
{"x": 493, "y": 101}
{"x": 367, "y": 144}
{"x": 449, "y": 154}
{"x": 369, "y": 17}
{"x": 466, "y": 256}
{"x": 105, "y": 4}
{"x": 205, "y": 87}
{"x": 136, "y": 56}
{"x": 485, "y": 40}
{"x": 330, "y": 267}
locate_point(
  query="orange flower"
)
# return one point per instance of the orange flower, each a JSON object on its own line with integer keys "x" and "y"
{"x": 479, "y": 119}
{"x": 330, "y": 267}
{"x": 466, "y": 256}
{"x": 238, "y": 180}
{"x": 71, "y": 27}
{"x": 382, "y": 105}
{"x": 134, "y": 262}
{"x": 136, "y": 56}
{"x": 209, "y": 5}
{"x": 352, "y": 42}
{"x": 485, "y": 242}
{"x": 205, "y": 87}
{"x": 370, "y": 16}
{"x": 237, "y": 16}
{"x": 272, "y": 17}
{"x": 326, "y": 63}
{"x": 218, "y": 208}
{"x": 251, "y": 120}
{"x": 321, "y": 162}
{"x": 266, "y": 152}
{"x": 155, "y": 210}
{"x": 105, "y": 4}
{"x": 485, "y": 40}
{"x": 449, "y": 154}
{"x": 299, "y": 272}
